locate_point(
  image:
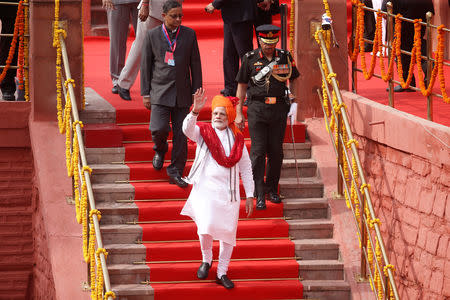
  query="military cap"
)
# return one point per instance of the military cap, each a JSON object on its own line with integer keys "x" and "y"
{"x": 268, "y": 33}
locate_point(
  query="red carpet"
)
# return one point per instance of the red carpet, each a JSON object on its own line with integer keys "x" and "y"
{"x": 265, "y": 267}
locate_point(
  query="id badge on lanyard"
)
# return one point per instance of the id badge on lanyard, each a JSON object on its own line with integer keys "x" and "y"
{"x": 168, "y": 58}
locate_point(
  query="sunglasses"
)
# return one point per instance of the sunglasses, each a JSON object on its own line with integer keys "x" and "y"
{"x": 175, "y": 16}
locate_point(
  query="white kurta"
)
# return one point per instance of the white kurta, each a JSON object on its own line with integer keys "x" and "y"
{"x": 215, "y": 200}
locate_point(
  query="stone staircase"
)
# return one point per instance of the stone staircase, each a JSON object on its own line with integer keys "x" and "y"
{"x": 320, "y": 267}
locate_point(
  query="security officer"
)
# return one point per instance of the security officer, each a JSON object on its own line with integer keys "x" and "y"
{"x": 264, "y": 72}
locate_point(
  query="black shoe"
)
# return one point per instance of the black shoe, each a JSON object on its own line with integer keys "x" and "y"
{"x": 8, "y": 96}
{"x": 158, "y": 161}
{"x": 274, "y": 197}
{"x": 178, "y": 181}
{"x": 203, "y": 270}
{"x": 261, "y": 203}
{"x": 124, "y": 93}
{"x": 115, "y": 89}
{"x": 399, "y": 89}
{"x": 225, "y": 281}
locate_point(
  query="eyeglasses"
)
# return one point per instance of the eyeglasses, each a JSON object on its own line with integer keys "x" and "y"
{"x": 176, "y": 16}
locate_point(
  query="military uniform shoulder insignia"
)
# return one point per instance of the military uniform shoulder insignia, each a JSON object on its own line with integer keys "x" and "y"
{"x": 250, "y": 53}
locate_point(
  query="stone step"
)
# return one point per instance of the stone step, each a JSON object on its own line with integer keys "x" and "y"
{"x": 128, "y": 273}
{"x": 97, "y": 110}
{"x": 125, "y": 253}
{"x": 321, "y": 270}
{"x": 298, "y": 229}
{"x": 110, "y": 192}
{"x": 105, "y": 155}
{"x": 326, "y": 289}
{"x": 311, "y": 187}
{"x": 117, "y": 213}
{"x": 308, "y": 270}
{"x": 306, "y": 208}
{"x": 121, "y": 233}
{"x": 133, "y": 291}
{"x": 311, "y": 229}
{"x": 316, "y": 249}
{"x": 302, "y": 150}
{"x": 306, "y": 168}
{"x": 99, "y": 30}
{"x": 109, "y": 173}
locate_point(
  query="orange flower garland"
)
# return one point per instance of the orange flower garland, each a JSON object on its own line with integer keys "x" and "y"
{"x": 12, "y": 49}
{"x": 416, "y": 54}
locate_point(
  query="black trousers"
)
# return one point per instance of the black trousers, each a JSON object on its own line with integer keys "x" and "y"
{"x": 267, "y": 125}
{"x": 237, "y": 40}
{"x": 160, "y": 119}
{"x": 8, "y": 21}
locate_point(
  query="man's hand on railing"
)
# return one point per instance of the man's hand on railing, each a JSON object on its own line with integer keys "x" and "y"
{"x": 108, "y": 4}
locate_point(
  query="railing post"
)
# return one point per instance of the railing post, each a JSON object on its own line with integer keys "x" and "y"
{"x": 352, "y": 44}
{"x": 429, "y": 66}
{"x": 390, "y": 38}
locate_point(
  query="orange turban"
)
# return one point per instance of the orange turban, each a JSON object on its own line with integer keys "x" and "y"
{"x": 230, "y": 106}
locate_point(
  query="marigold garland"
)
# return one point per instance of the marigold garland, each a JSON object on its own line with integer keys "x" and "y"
{"x": 12, "y": 48}
{"x": 416, "y": 54}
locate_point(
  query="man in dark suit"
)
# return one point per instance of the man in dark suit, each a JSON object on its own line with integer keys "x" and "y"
{"x": 238, "y": 17}
{"x": 171, "y": 72}
{"x": 411, "y": 9}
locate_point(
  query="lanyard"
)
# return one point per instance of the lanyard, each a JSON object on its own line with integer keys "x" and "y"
{"x": 173, "y": 44}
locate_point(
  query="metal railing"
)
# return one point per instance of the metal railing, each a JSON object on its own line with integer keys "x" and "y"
{"x": 84, "y": 166}
{"x": 379, "y": 271}
{"x": 388, "y": 46}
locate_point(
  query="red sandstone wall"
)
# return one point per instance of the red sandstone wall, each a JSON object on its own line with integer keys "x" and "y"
{"x": 16, "y": 239}
{"x": 44, "y": 286}
{"x": 407, "y": 163}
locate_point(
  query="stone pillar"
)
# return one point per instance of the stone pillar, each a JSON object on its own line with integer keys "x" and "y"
{"x": 43, "y": 56}
{"x": 306, "y": 52}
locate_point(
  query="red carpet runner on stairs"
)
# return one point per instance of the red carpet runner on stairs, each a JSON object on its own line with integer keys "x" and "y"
{"x": 263, "y": 263}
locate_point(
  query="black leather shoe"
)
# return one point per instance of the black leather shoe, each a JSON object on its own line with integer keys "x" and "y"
{"x": 225, "y": 281}
{"x": 158, "y": 161}
{"x": 399, "y": 89}
{"x": 203, "y": 270}
{"x": 124, "y": 93}
{"x": 261, "y": 203}
{"x": 8, "y": 96}
{"x": 178, "y": 181}
{"x": 274, "y": 197}
{"x": 115, "y": 89}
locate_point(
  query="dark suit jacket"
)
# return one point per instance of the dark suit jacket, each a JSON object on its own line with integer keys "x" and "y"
{"x": 234, "y": 11}
{"x": 170, "y": 85}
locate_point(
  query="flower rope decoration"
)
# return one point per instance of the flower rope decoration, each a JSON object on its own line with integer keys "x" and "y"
{"x": 99, "y": 278}
{"x": 291, "y": 26}
{"x": 110, "y": 294}
{"x": 91, "y": 253}
{"x": 416, "y": 54}
{"x": 26, "y": 53}
{"x": 12, "y": 48}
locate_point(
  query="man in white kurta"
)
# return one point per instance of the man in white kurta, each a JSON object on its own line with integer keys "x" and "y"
{"x": 214, "y": 201}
